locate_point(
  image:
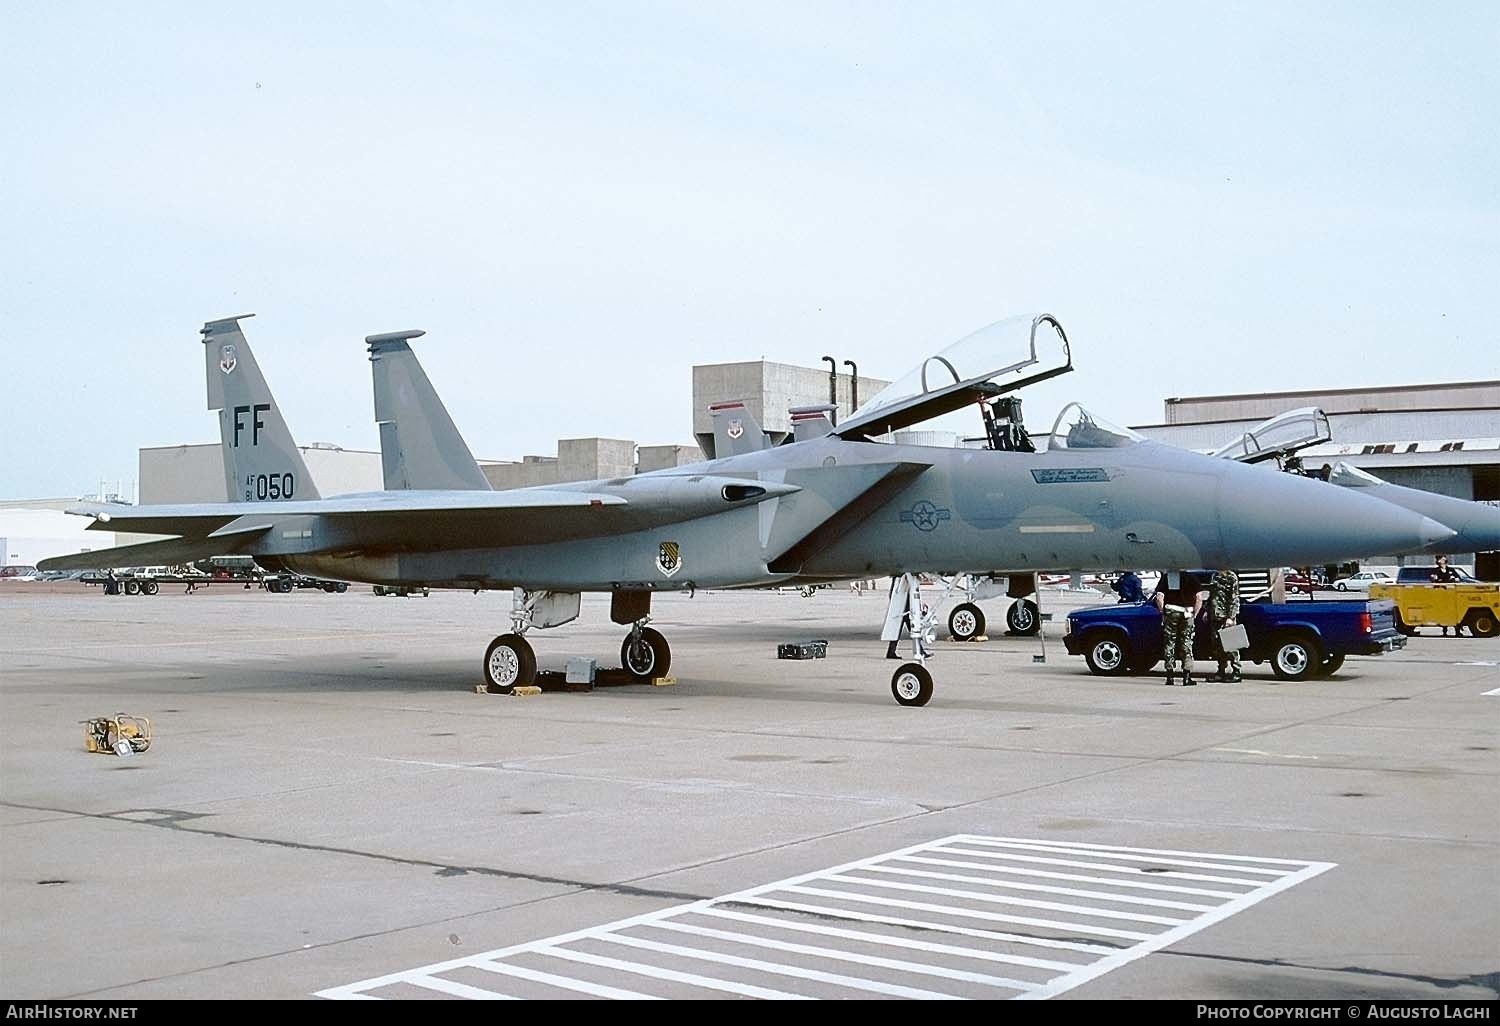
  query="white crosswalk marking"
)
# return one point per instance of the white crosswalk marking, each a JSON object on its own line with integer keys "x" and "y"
{"x": 800, "y": 937}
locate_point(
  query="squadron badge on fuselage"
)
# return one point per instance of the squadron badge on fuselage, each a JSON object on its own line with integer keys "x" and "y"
{"x": 227, "y": 360}
{"x": 669, "y": 558}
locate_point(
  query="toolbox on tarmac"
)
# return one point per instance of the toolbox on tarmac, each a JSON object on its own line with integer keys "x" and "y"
{"x": 816, "y": 649}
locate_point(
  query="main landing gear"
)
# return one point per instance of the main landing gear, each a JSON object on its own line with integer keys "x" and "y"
{"x": 510, "y": 661}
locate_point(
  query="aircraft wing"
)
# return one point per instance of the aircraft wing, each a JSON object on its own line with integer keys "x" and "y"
{"x": 413, "y": 521}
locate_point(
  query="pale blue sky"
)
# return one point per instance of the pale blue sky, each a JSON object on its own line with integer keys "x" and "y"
{"x": 580, "y": 201}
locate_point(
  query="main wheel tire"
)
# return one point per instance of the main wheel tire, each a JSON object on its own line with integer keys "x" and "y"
{"x": 509, "y": 663}
{"x": 1296, "y": 657}
{"x": 341, "y": 587}
{"x": 1482, "y": 622}
{"x": 132, "y": 587}
{"x": 652, "y": 657}
{"x": 1023, "y": 617}
{"x": 911, "y": 684}
{"x": 1342, "y": 587}
{"x": 965, "y": 622}
{"x": 150, "y": 587}
{"x": 1332, "y": 664}
{"x": 1403, "y": 626}
{"x": 1108, "y": 654}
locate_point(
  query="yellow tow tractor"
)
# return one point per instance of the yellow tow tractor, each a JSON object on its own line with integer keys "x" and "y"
{"x": 119, "y": 734}
{"x": 1472, "y": 604}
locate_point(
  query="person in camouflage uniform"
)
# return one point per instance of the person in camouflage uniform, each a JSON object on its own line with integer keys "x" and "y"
{"x": 1224, "y": 611}
{"x": 1178, "y": 597}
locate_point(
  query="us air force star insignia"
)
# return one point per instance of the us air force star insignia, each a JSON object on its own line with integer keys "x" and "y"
{"x": 925, "y": 516}
{"x": 736, "y": 428}
{"x": 669, "y": 558}
{"x": 227, "y": 360}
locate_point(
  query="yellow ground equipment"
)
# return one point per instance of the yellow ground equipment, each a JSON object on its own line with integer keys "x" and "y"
{"x": 1475, "y": 606}
{"x": 117, "y": 735}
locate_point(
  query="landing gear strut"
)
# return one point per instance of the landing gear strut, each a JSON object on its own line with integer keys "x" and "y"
{"x": 510, "y": 661}
{"x": 911, "y": 684}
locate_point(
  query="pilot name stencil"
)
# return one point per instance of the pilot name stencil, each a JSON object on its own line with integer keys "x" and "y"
{"x": 1070, "y": 475}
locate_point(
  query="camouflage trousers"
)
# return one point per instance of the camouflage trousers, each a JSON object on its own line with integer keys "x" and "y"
{"x": 1177, "y": 638}
{"x": 1232, "y": 659}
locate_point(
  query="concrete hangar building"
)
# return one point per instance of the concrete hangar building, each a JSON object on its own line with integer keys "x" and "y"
{"x": 1443, "y": 438}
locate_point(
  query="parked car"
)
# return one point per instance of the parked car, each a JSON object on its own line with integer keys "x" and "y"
{"x": 1296, "y": 581}
{"x": 1362, "y": 580}
{"x": 1423, "y": 574}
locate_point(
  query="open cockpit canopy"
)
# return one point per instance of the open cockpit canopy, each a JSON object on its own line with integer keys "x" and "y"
{"x": 1279, "y": 437}
{"x": 976, "y": 368}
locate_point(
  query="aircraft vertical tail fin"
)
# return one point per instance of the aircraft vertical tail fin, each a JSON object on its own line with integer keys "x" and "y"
{"x": 419, "y": 445}
{"x": 261, "y": 461}
{"x": 736, "y": 431}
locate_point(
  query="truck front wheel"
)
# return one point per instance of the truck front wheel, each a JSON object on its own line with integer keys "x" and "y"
{"x": 1108, "y": 655}
{"x": 1296, "y": 657}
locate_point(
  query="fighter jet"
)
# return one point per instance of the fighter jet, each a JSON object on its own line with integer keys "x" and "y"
{"x": 1476, "y": 525}
{"x": 835, "y": 507}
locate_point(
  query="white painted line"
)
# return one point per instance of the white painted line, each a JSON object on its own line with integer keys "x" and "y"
{"x": 904, "y": 965}
{"x": 1127, "y": 857}
{"x": 781, "y": 969}
{"x": 1257, "y": 751}
{"x": 927, "y": 924}
{"x": 1020, "y": 871}
{"x": 1000, "y": 899}
{"x": 728, "y": 986}
{"x": 561, "y": 982}
{"x": 1041, "y": 888}
{"x": 462, "y": 990}
{"x": 1104, "y": 965}
{"x": 1099, "y": 866}
{"x": 767, "y": 916}
{"x": 863, "y": 937}
{"x": 955, "y": 910}
{"x": 1495, "y": 692}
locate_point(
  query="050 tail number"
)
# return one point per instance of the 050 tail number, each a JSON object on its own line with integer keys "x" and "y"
{"x": 260, "y": 487}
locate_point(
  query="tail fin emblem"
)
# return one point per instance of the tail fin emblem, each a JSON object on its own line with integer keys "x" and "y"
{"x": 227, "y": 361}
{"x": 736, "y": 428}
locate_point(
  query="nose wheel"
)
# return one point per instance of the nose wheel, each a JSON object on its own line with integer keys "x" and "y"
{"x": 645, "y": 654}
{"x": 912, "y": 684}
{"x": 509, "y": 663}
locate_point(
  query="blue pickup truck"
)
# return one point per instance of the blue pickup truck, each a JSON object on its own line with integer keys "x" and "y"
{"x": 1300, "y": 639}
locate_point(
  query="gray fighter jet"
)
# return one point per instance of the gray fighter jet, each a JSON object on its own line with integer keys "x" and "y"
{"x": 1476, "y": 525}
{"x": 840, "y": 506}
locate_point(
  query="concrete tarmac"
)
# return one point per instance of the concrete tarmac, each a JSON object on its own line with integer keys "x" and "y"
{"x": 328, "y": 808}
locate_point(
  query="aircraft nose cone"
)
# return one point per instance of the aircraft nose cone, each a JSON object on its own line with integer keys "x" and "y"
{"x": 1434, "y": 533}
{"x": 1272, "y": 519}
